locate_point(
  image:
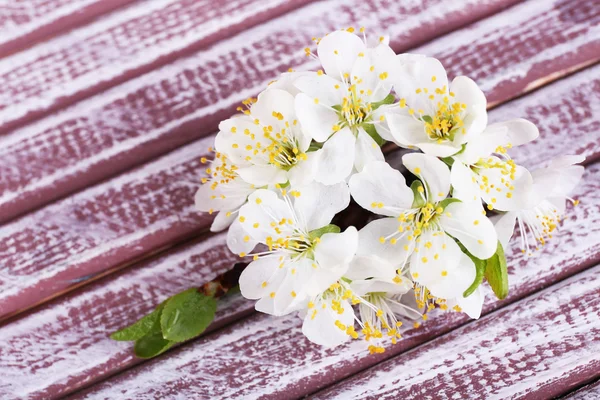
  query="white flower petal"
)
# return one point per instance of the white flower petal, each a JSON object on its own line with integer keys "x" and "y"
{"x": 303, "y": 173}
{"x": 505, "y": 227}
{"x": 222, "y": 221}
{"x": 433, "y": 172}
{"x": 418, "y": 72}
{"x": 370, "y": 243}
{"x": 437, "y": 255}
{"x": 274, "y": 101}
{"x": 467, "y": 92}
{"x": 221, "y": 197}
{"x": 263, "y": 175}
{"x": 370, "y": 266}
{"x": 261, "y": 277}
{"x": 336, "y": 249}
{"x": 232, "y": 141}
{"x": 496, "y": 193}
{"x": 319, "y": 324}
{"x": 287, "y": 81}
{"x": 336, "y": 158}
{"x": 475, "y": 231}
{"x": 457, "y": 281}
{"x": 238, "y": 240}
{"x": 337, "y": 52}
{"x": 472, "y": 305}
{"x": 463, "y": 184}
{"x": 381, "y": 189}
{"x": 327, "y": 90}
{"x": 371, "y": 72}
{"x": 445, "y": 149}
{"x": 317, "y": 119}
{"x": 263, "y": 208}
{"x": 318, "y": 204}
{"x": 367, "y": 150}
{"x": 405, "y": 129}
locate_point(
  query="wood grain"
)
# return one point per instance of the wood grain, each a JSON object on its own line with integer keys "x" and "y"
{"x": 105, "y": 227}
{"x": 118, "y": 47}
{"x": 268, "y": 357}
{"x": 538, "y": 348}
{"x": 161, "y": 110}
{"x": 25, "y": 22}
{"x": 588, "y": 392}
{"x": 64, "y": 344}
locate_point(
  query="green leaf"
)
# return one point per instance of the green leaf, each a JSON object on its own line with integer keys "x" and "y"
{"x": 317, "y": 233}
{"x": 389, "y": 99}
{"x": 497, "y": 274}
{"x": 186, "y": 315}
{"x": 151, "y": 345}
{"x": 479, "y": 273}
{"x": 371, "y": 131}
{"x": 449, "y": 161}
{"x": 337, "y": 107}
{"x": 446, "y": 202}
{"x": 141, "y": 328}
{"x": 419, "y": 200}
{"x": 314, "y": 146}
{"x": 427, "y": 119}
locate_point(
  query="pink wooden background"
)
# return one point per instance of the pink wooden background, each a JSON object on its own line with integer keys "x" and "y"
{"x": 106, "y": 107}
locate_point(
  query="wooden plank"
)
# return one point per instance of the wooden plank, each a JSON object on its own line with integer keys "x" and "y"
{"x": 538, "y": 348}
{"x": 105, "y": 227}
{"x": 116, "y": 48}
{"x": 64, "y": 344}
{"x": 268, "y": 357}
{"x": 25, "y": 22}
{"x": 588, "y": 392}
{"x": 176, "y": 104}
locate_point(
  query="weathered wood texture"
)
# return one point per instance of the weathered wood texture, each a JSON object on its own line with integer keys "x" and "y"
{"x": 100, "y": 228}
{"x": 106, "y": 226}
{"x": 116, "y": 48}
{"x": 588, "y": 392}
{"x": 161, "y": 110}
{"x": 538, "y": 348}
{"x": 269, "y": 357}
{"x": 25, "y": 22}
{"x": 64, "y": 344}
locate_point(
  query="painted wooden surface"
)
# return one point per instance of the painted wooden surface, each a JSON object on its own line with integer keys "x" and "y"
{"x": 269, "y": 357}
{"x": 102, "y": 357}
{"x": 64, "y": 344}
{"x": 534, "y": 349}
{"x": 111, "y": 224}
{"x": 178, "y": 103}
{"x": 116, "y": 48}
{"x": 591, "y": 391}
{"x": 61, "y": 346}
{"x": 25, "y": 22}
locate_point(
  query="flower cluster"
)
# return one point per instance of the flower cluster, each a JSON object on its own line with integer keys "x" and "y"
{"x": 311, "y": 141}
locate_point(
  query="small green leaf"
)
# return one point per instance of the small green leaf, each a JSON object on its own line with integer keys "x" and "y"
{"x": 140, "y": 328}
{"x": 419, "y": 197}
{"x": 497, "y": 274}
{"x": 371, "y": 131}
{"x": 479, "y": 273}
{"x": 389, "y": 99}
{"x": 427, "y": 119}
{"x": 186, "y": 315}
{"x": 314, "y": 146}
{"x": 317, "y": 233}
{"x": 446, "y": 202}
{"x": 449, "y": 161}
{"x": 151, "y": 345}
{"x": 337, "y": 107}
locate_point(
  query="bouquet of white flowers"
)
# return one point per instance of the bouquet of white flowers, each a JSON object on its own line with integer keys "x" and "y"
{"x": 312, "y": 141}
